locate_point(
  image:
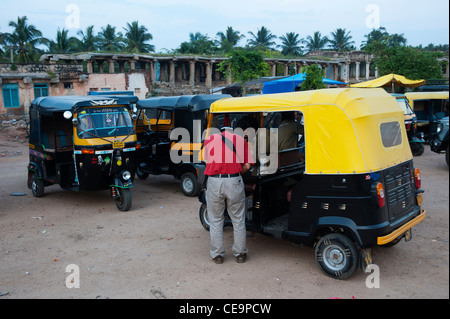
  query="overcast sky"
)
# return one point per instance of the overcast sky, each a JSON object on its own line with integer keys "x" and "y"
{"x": 171, "y": 21}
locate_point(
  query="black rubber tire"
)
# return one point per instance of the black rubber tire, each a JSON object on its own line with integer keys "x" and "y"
{"x": 203, "y": 214}
{"x": 417, "y": 149}
{"x": 37, "y": 186}
{"x": 123, "y": 201}
{"x": 337, "y": 256}
{"x": 446, "y": 156}
{"x": 189, "y": 184}
{"x": 140, "y": 174}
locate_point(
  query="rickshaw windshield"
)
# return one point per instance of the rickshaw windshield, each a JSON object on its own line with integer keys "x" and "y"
{"x": 104, "y": 122}
{"x": 403, "y": 103}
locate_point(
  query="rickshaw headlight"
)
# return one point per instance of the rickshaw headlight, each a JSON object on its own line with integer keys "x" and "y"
{"x": 126, "y": 175}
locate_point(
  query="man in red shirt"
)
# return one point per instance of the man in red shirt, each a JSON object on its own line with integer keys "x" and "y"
{"x": 227, "y": 156}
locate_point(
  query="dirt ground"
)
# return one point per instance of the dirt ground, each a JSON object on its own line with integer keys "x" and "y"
{"x": 159, "y": 249}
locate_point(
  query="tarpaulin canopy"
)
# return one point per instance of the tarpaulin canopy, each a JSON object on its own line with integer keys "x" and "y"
{"x": 290, "y": 83}
{"x": 391, "y": 80}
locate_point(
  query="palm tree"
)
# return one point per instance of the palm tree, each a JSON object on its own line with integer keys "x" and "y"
{"x": 341, "y": 40}
{"x": 291, "y": 44}
{"x": 198, "y": 44}
{"x": 229, "y": 39}
{"x": 316, "y": 42}
{"x": 262, "y": 39}
{"x": 109, "y": 40}
{"x": 24, "y": 39}
{"x": 63, "y": 43}
{"x": 88, "y": 39}
{"x": 136, "y": 38}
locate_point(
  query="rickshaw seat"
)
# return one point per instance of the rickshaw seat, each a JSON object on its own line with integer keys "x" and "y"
{"x": 288, "y": 157}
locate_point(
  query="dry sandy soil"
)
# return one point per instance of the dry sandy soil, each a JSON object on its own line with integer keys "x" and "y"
{"x": 159, "y": 249}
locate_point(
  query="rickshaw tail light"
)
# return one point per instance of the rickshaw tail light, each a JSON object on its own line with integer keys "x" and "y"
{"x": 87, "y": 152}
{"x": 380, "y": 195}
{"x": 138, "y": 146}
{"x": 418, "y": 178}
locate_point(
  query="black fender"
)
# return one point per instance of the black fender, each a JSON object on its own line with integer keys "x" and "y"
{"x": 34, "y": 168}
{"x": 348, "y": 225}
{"x": 118, "y": 182}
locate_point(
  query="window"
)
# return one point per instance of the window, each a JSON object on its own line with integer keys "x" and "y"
{"x": 391, "y": 134}
{"x": 40, "y": 90}
{"x": 68, "y": 85}
{"x": 11, "y": 95}
{"x": 104, "y": 122}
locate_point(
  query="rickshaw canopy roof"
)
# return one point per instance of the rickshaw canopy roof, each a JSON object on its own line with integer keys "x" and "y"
{"x": 389, "y": 80}
{"x": 190, "y": 102}
{"x": 73, "y": 103}
{"x": 412, "y": 96}
{"x": 342, "y": 126}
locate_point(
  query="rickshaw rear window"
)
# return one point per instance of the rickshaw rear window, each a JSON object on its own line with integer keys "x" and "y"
{"x": 391, "y": 134}
{"x": 104, "y": 122}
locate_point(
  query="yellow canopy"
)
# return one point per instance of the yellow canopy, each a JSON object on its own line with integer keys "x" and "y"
{"x": 342, "y": 126}
{"x": 390, "y": 80}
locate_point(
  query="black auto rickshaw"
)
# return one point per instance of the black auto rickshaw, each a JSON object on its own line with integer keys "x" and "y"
{"x": 160, "y": 122}
{"x": 83, "y": 143}
{"x": 354, "y": 188}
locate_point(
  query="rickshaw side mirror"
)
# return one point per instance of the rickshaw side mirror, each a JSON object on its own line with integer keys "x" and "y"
{"x": 67, "y": 115}
{"x": 75, "y": 121}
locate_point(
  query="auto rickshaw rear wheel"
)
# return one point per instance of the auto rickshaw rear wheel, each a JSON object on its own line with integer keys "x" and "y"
{"x": 417, "y": 149}
{"x": 203, "y": 214}
{"x": 140, "y": 174}
{"x": 337, "y": 255}
{"x": 37, "y": 186}
{"x": 189, "y": 184}
{"x": 123, "y": 199}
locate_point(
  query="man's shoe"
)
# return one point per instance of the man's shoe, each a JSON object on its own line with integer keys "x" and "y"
{"x": 241, "y": 258}
{"x": 218, "y": 259}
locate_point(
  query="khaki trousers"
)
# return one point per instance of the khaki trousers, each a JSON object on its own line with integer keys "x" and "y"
{"x": 226, "y": 193}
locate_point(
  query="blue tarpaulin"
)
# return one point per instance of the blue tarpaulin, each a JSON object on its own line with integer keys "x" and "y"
{"x": 290, "y": 83}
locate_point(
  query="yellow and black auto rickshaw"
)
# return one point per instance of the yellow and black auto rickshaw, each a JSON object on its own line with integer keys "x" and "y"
{"x": 161, "y": 122}
{"x": 83, "y": 143}
{"x": 428, "y": 107}
{"x": 355, "y": 186}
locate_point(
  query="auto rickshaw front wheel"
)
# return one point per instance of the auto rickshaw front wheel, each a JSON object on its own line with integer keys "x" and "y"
{"x": 37, "y": 186}
{"x": 337, "y": 255}
{"x": 417, "y": 148}
{"x": 123, "y": 199}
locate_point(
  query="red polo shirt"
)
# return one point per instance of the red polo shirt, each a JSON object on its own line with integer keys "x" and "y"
{"x": 221, "y": 159}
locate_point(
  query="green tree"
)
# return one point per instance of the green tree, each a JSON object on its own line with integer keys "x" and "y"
{"x": 408, "y": 61}
{"x": 381, "y": 36}
{"x": 136, "y": 38}
{"x": 341, "y": 40}
{"x": 262, "y": 40}
{"x": 229, "y": 39}
{"x": 291, "y": 44}
{"x": 316, "y": 42}
{"x": 109, "y": 40}
{"x": 198, "y": 44}
{"x": 243, "y": 66}
{"x": 24, "y": 39}
{"x": 88, "y": 40}
{"x": 63, "y": 43}
{"x": 313, "y": 79}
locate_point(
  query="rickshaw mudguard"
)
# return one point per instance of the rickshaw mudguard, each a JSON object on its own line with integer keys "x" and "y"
{"x": 36, "y": 169}
{"x": 120, "y": 184}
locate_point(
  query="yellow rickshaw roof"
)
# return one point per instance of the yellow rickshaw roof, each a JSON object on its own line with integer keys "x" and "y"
{"x": 388, "y": 80}
{"x": 342, "y": 126}
{"x": 427, "y": 95}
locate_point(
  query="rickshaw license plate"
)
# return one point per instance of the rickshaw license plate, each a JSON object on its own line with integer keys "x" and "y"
{"x": 118, "y": 144}
{"x": 419, "y": 199}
